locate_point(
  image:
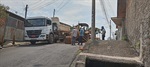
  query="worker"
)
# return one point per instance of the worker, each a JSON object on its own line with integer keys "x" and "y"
{"x": 74, "y": 35}
{"x": 80, "y": 41}
{"x": 103, "y": 31}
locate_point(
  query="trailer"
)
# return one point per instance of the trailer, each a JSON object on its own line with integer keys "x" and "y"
{"x": 11, "y": 28}
{"x": 63, "y": 28}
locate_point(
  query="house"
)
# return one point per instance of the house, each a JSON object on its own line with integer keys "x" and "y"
{"x": 11, "y": 27}
{"x": 133, "y": 24}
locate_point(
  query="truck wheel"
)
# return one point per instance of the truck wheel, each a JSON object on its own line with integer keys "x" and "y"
{"x": 51, "y": 39}
{"x": 33, "y": 42}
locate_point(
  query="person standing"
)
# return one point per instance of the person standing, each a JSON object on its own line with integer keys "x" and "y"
{"x": 74, "y": 35}
{"x": 81, "y": 36}
{"x": 103, "y": 32}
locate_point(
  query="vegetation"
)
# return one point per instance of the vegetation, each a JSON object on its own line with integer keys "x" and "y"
{"x": 3, "y": 16}
{"x": 3, "y": 9}
{"x": 125, "y": 38}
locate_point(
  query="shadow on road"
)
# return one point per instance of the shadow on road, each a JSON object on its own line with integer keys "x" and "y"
{"x": 34, "y": 45}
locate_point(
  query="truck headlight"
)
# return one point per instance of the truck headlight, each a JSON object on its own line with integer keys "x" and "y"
{"x": 42, "y": 36}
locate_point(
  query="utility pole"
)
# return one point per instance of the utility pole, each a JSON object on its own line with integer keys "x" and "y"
{"x": 54, "y": 13}
{"x": 110, "y": 29}
{"x": 93, "y": 21}
{"x": 26, "y": 10}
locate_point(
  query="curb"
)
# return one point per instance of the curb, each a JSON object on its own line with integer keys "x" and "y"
{"x": 9, "y": 44}
{"x": 73, "y": 62}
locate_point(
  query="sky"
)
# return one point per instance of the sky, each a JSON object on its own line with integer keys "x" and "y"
{"x": 69, "y": 11}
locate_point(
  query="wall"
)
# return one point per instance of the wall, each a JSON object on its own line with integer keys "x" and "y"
{"x": 2, "y": 28}
{"x": 137, "y": 26}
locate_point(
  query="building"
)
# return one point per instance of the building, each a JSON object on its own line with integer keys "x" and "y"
{"x": 11, "y": 27}
{"x": 133, "y": 23}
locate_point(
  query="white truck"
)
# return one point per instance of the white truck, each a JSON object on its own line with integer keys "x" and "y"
{"x": 41, "y": 29}
{"x": 45, "y": 29}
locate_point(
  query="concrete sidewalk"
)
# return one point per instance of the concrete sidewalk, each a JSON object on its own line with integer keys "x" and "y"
{"x": 111, "y": 48}
{"x": 108, "y": 49}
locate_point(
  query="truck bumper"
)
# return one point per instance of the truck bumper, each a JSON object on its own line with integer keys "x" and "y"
{"x": 35, "y": 39}
{"x": 40, "y": 38}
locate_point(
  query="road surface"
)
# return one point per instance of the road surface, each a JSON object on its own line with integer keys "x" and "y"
{"x": 40, "y": 55}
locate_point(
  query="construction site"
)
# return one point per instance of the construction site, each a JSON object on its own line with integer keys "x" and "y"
{"x": 44, "y": 41}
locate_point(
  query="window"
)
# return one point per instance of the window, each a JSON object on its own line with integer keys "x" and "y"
{"x": 36, "y": 22}
{"x": 48, "y": 22}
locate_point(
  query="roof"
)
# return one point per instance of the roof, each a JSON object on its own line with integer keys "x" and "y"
{"x": 15, "y": 15}
{"x": 38, "y": 17}
{"x": 117, "y": 21}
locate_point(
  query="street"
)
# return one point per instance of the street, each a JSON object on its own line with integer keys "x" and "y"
{"x": 39, "y": 55}
{"x": 109, "y": 33}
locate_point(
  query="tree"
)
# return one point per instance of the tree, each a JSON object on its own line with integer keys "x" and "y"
{"x": 3, "y": 16}
{"x": 3, "y": 9}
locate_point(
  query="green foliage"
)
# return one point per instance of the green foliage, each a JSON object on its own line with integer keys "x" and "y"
{"x": 125, "y": 38}
{"x": 3, "y": 9}
{"x": 97, "y": 30}
{"x": 137, "y": 45}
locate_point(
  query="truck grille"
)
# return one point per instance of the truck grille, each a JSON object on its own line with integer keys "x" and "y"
{"x": 33, "y": 33}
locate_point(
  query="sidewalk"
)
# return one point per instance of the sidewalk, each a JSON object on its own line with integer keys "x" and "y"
{"x": 110, "y": 48}
{"x": 9, "y": 44}
{"x": 108, "y": 51}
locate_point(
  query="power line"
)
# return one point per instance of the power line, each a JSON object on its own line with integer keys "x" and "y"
{"x": 63, "y": 6}
{"x": 60, "y": 3}
{"x": 47, "y": 4}
{"x": 106, "y": 15}
{"x": 43, "y": 5}
{"x": 40, "y": 6}
{"x": 110, "y": 6}
{"x": 104, "y": 10}
{"x": 37, "y": 3}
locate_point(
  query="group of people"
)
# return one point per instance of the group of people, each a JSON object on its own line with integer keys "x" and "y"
{"x": 75, "y": 34}
{"x": 81, "y": 35}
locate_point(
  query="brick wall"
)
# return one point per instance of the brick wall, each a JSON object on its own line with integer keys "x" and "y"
{"x": 137, "y": 26}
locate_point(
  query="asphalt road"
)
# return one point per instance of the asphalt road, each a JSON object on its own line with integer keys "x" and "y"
{"x": 40, "y": 55}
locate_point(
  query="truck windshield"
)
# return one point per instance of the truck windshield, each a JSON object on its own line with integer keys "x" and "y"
{"x": 35, "y": 22}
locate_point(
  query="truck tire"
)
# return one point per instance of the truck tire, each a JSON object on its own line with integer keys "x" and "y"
{"x": 33, "y": 42}
{"x": 51, "y": 39}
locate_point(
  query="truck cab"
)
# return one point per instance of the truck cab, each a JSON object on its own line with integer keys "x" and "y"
{"x": 40, "y": 29}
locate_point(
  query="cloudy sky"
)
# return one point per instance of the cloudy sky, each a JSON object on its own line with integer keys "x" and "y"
{"x": 69, "y": 11}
